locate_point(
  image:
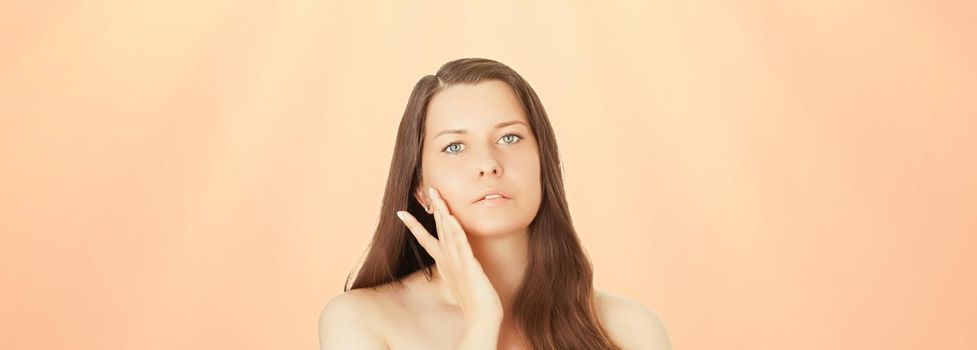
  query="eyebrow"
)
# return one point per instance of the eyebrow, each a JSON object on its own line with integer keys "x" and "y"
{"x": 463, "y": 131}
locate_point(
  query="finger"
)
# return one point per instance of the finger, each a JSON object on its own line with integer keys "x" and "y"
{"x": 462, "y": 238}
{"x": 461, "y": 243}
{"x": 445, "y": 233}
{"x": 427, "y": 241}
{"x": 434, "y": 205}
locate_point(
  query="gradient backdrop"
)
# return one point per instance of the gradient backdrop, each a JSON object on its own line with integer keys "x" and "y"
{"x": 762, "y": 174}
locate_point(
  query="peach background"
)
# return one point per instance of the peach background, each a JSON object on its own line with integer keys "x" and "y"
{"x": 764, "y": 175}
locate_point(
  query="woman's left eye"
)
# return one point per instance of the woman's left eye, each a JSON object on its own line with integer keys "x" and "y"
{"x": 513, "y": 135}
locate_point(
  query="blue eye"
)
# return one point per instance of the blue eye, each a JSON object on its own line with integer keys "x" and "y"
{"x": 515, "y": 138}
{"x": 450, "y": 145}
{"x": 513, "y": 135}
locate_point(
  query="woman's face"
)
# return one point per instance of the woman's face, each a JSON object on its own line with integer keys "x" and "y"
{"x": 476, "y": 139}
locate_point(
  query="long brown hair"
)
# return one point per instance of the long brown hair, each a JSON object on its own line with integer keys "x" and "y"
{"x": 554, "y": 308}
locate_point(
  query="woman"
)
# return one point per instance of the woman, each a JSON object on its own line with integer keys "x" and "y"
{"x": 476, "y": 183}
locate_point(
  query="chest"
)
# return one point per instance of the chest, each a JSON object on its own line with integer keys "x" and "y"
{"x": 433, "y": 331}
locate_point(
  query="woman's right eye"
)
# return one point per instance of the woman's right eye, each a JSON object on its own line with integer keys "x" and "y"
{"x": 449, "y": 146}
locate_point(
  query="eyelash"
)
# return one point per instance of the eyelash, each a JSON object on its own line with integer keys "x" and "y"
{"x": 503, "y": 136}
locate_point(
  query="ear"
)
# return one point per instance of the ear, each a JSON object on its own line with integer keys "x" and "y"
{"x": 421, "y": 196}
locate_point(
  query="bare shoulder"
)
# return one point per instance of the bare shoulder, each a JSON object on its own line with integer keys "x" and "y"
{"x": 347, "y": 322}
{"x": 630, "y": 324}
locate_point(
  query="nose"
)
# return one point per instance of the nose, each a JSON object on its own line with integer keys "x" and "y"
{"x": 490, "y": 167}
{"x": 493, "y": 170}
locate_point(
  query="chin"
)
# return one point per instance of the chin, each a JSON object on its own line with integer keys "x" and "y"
{"x": 490, "y": 228}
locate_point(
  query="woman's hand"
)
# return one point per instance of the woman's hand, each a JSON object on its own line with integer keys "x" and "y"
{"x": 457, "y": 265}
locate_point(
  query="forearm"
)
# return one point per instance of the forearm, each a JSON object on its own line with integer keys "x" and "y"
{"x": 481, "y": 335}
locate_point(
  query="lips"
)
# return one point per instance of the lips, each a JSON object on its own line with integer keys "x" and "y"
{"x": 491, "y": 191}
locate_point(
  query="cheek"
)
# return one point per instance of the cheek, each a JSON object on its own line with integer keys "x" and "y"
{"x": 451, "y": 187}
{"x": 440, "y": 174}
{"x": 528, "y": 170}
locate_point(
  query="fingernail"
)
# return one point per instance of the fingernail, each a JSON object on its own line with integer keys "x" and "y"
{"x": 400, "y": 214}
{"x": 430, "y": 192}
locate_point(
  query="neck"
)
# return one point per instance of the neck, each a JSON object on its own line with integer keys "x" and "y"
{"x": 504, "y": 258}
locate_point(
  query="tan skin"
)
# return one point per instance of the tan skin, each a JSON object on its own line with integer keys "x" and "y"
{"x": 476, "y": 137}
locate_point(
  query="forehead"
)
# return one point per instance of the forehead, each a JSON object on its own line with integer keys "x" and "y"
{"x": 473, "y": 107}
